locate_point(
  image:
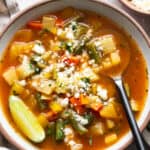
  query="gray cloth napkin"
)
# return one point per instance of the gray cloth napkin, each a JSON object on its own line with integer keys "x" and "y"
{"x": 7, "y": 10}
{"x": 8, "y": 6}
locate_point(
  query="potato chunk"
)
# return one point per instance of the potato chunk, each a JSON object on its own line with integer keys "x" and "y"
{"x": 17, "y": 88}
{"x": 134, "y": 105}
{"x": 110, "y": 138}
{"x": 18, "y": 48}
{"x": 115, "y": 58}
{"x": 109, "y": 111}
{"x": 10, "y": 75}
{"x": 110, "y": 124}
{"x": 49, "y": 23}
{"x": 108, "y": 44}
{"x": 97, "y": 129}
{"x": 44, "y": 86}
{"x": 25, "y": 69}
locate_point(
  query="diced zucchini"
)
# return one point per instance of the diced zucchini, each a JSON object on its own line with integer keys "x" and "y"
{"x": 109, "y": 111}
{"x": 26, "y": 120}
{"x": 108, "y": 44}
{"x": 110, "y": 124}
{"x": 82, "y": 42}
{"x": 10, "y": 75}
{"x": 49, "y": 23}
{"x": 111, "y": 138}
{"x": 115, "y": 58}
{"x": 97, "y": 129}
{"x": 79, "y": 29}
{"x": 93, "y": 52}
{"x": 134, "y": 105}
{"x": 25, "y": 69}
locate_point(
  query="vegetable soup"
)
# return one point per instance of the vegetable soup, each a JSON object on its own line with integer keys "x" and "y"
{"x": 55, "y": 89}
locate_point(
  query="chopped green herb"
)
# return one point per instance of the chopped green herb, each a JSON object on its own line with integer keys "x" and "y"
{"x": 33, "y": 65}
{"x": 69, "y": 47}
{"x": 15, "y": 93}
{"x": 86, "y": 80}
{"x": 61, "y": 84}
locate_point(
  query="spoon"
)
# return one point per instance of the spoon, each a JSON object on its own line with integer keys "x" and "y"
{"x": 140, "y": 142}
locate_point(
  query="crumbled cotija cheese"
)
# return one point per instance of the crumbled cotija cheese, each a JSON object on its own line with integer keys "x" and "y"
{"x": 142, "y": 4}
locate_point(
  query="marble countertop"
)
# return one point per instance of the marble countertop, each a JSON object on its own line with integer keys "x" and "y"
{"x": 144, "y": 21}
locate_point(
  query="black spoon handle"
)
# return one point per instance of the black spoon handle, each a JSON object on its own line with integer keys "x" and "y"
{"x": 139, "y": 140}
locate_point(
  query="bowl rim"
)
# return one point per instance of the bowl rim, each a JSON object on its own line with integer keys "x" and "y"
{"x": 119, "y": 10}
{"x": 134, "y": 8}
{"x": 99, "y": 2}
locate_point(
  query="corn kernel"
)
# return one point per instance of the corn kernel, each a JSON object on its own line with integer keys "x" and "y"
{"x": 42, "y": 120}
{"x": 56, "y": 107}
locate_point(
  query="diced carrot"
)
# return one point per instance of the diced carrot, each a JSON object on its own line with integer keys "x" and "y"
{"x": 96, "y": 106}
{"x": 50, "y": 115}
{"x": 75, "y": 101}
{"x": 72, "y": 60}
{"x": 80, "y": 109}
{"x": 35, "y": 25}
{"x": 59, "y": 22}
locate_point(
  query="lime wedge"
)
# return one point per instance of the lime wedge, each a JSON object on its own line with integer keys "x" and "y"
{"x": 26, "y": 120}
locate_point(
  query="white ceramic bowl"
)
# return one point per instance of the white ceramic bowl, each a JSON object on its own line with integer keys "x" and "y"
{"x": 121, "y": 18}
